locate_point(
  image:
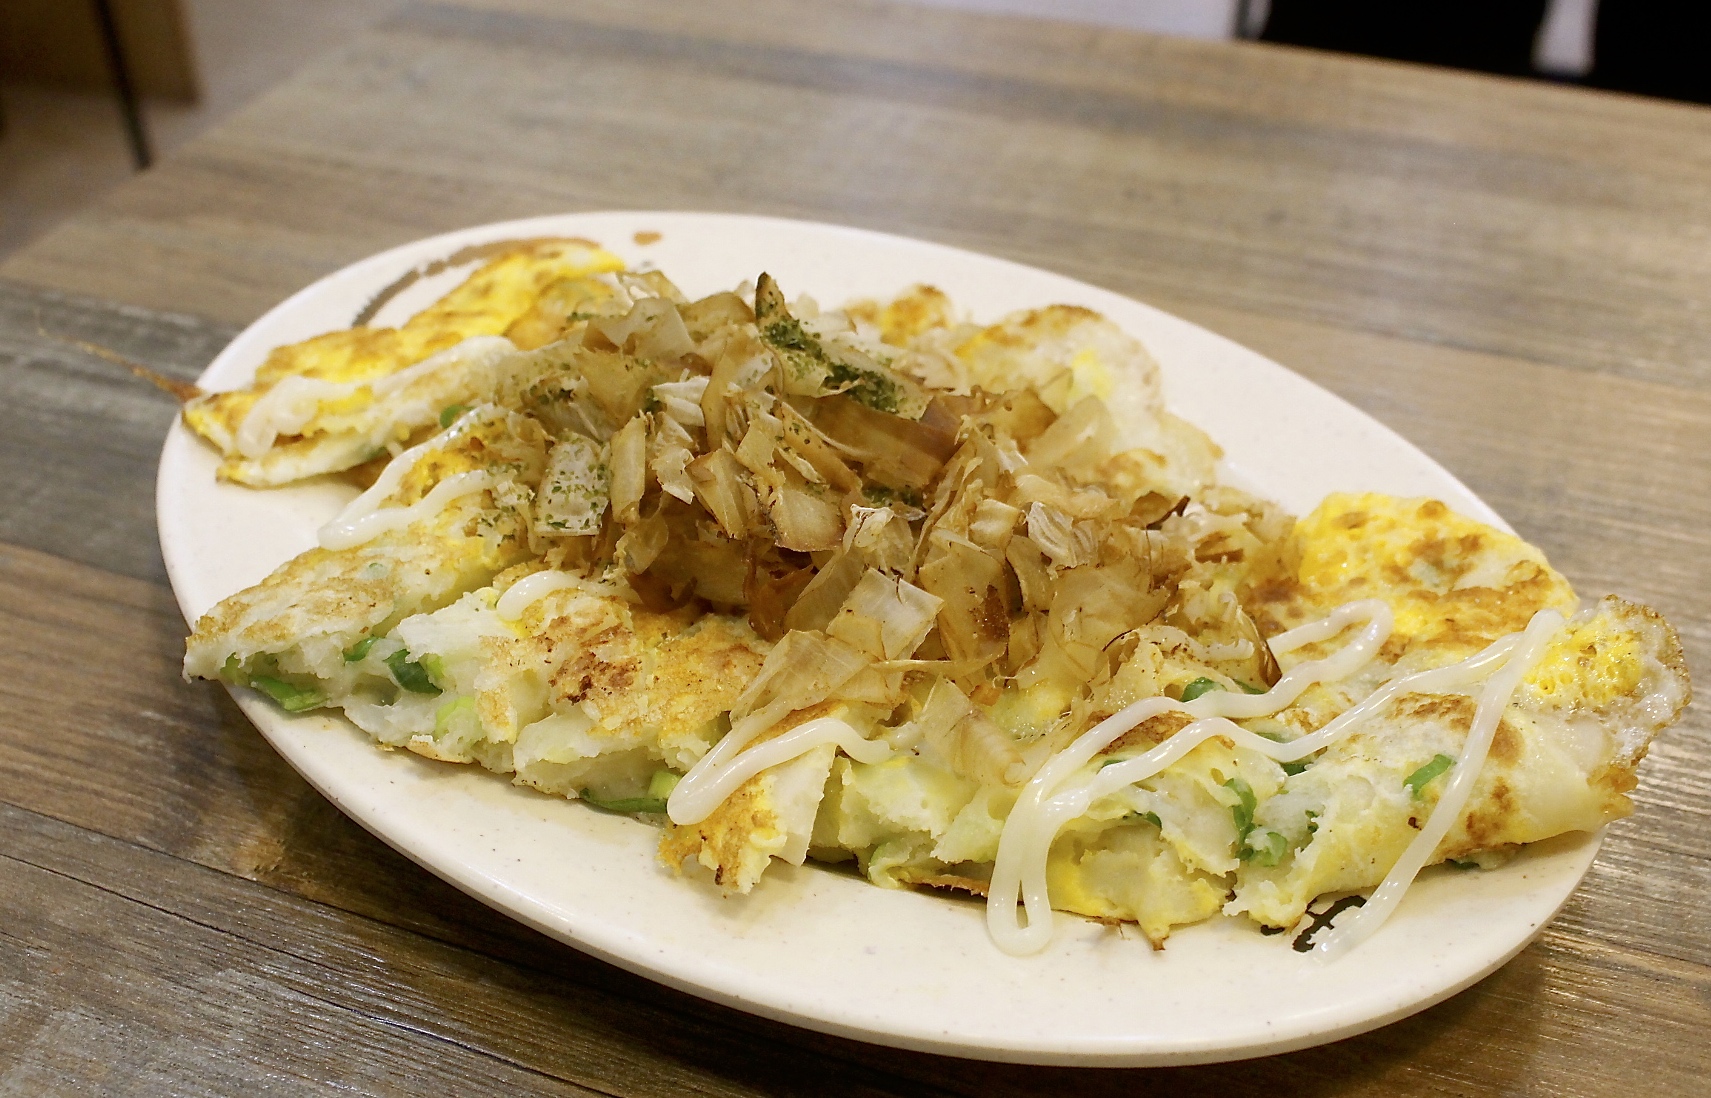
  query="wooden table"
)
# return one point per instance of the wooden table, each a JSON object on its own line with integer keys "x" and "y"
{"x": 1516, "y": 276}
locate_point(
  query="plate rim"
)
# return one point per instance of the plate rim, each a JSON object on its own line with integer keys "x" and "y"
{"x": 493, "y": 892}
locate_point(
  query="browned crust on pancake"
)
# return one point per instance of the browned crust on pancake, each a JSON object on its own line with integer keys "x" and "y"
{"x": 740, "y": 816}
{"x": 943, "y": 881}
{"x": 1151, "y": 732}
{"x": 457, "y": 259}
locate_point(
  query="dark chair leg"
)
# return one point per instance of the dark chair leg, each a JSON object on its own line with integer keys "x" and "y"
{"x": 1487, "y": 35}
{"x": 1654, "y": 47}
{"x": 122, "y": 86}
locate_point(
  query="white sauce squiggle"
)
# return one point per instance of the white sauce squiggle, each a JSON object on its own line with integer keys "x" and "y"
{"x": 1047, "y": 804}
{"x": 369, "y": 502}
{"x": 283, "y": 410}
{"x": 517, "y": 599}
{"x": 288, "y": 407}
{"x": 1019, "y": 873}
{"x": 363, "y": 519}
{"x": 343, "y": 533}
{"x": 529, "y": 590}
{"x": 1525, "y": 651}
{"x": 705, "y": 787}
{"x": 721, "y": 771}
{"x": 1020, "y": 869}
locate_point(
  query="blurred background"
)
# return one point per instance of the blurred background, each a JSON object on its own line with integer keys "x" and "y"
{"x": 92, "y": 90}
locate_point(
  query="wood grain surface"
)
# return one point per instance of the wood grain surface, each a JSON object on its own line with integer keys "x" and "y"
{"x": 1515, "y": 276}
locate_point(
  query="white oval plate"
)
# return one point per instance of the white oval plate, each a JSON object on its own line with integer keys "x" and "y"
{"x": 826, "y": 950}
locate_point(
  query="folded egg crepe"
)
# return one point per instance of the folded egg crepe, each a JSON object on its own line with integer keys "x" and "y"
{"x": 956, "y": 605}
{"x": 354, "y": 394}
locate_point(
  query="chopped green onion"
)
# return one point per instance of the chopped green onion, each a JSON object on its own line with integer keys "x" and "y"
{"x": 1263, "y": 846}
{"x": 662, "y": 783}
{"x": 1198, "y": 687}
{"x": 412, "y": 676}
{"x": 233, "y": 672}
{"x": 1289, "y": 768}
{"x": 659, "y": 791}
{"x": 625, "y": 804}
{"x": 1242, "y": 813}
{"x": 451, "y": 711}
{"x": 1113, "y": 761}
{"x": 1459, "y": 864}
{"x": 1418, "y": 780}
{"x": 358, "y": 652}
{"x": 1250, "y": 688}
{"x": 449, "y": 415}
{"x": 291, "y": 697}
{"x": 1152, "y": 818}
{"x": 1253, "y": 842}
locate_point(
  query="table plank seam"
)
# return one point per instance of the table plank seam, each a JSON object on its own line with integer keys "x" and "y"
{"x": 1555, "y": 936}
{"x": 850, "y": 1059}
{"x": 344, "y": 1008}
{"x": 292, "y": 991}
{"x": 440, "y": 1038}
{"x": 1102, "y": 109}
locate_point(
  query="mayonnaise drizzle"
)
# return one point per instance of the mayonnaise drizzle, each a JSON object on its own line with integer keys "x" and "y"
{"x": 1047, "y": 803}
{"x": 1020, "y": 869}
{"x": 1525, "y": 651}
{"x": 1042, "y": 811}
{"x": 343, "y": 533}
{"x": 713, "y": 779}
{"x": 284, "y": 409}
{"x": 293, "y": 401}
{"x": 529, "y": 590}
{"x": 517, "y": 599}
{"x": 384, "y": 485}
{"x": 363, "y": 519}
{"x": 724, "y": 768}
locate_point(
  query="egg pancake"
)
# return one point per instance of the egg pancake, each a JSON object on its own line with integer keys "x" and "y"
{"x": 325, "y": 405}
{"x": 319, "y": 623}
{"x": 963, "y": 606}
{"x": 1562, "y": 760}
